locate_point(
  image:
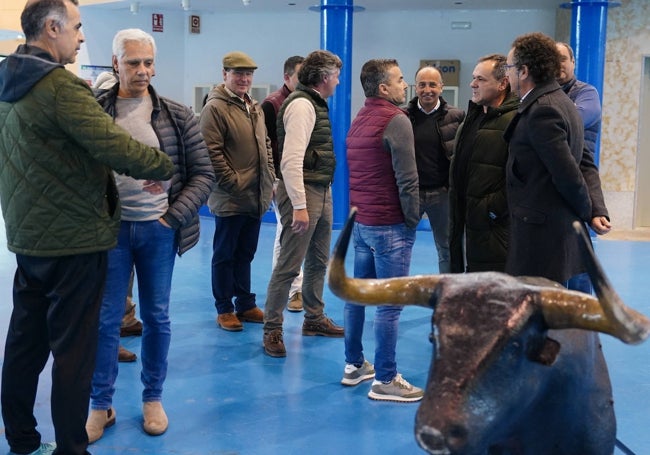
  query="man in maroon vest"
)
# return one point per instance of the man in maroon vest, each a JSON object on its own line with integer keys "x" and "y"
{"x": 384, "y": 189}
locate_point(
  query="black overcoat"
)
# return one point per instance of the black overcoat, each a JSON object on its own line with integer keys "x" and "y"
{"x": 545, "y": 187}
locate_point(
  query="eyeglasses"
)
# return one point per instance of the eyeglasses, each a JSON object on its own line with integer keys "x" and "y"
{"x": 510, "y": 66}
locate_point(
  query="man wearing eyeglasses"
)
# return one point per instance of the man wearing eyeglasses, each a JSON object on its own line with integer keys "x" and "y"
{"x": 434, "y": 127}
{"x": 232, "y": 124}
{"x": 546, "y": 188}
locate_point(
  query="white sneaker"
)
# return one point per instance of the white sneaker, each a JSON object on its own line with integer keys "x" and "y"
{"x": 353, "y": 375}
{"x": 398, "y": 390}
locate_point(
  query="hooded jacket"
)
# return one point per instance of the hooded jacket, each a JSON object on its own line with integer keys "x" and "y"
{"x": 241, "y": 155}
{"x": 57, "y": 149}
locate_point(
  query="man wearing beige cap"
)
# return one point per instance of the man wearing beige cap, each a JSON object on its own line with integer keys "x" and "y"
{"x": 233, "y": 127}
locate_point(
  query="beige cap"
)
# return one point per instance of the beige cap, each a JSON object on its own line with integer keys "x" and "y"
{"x": 238, "y": 59}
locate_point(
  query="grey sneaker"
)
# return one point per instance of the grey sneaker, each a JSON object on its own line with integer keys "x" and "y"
{"x": 396, "y": 390}
{"x": 353, "y": 375}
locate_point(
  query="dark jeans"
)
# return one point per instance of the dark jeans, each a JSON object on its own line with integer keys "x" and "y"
{"x": 233, "y": 249}
{"x": 56, "y": 309}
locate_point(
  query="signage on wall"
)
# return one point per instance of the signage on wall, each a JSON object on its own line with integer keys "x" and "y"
{"x": 450, "y": 70}
{"x": 195, "y": 24}
{"x": 157, "y": 22}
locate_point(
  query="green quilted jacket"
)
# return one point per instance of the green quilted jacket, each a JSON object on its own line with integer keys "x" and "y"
{"x": 57, "y": 149}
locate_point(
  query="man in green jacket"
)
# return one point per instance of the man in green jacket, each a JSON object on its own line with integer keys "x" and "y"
{"x": 232, "y": 124}
{"x": 61, "y": 212}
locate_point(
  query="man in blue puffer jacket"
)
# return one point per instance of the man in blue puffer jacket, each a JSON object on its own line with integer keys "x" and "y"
{"x": 159, "y": 219}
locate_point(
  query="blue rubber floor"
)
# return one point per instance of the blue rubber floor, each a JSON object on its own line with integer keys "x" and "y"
{"x": 223, "y": 396}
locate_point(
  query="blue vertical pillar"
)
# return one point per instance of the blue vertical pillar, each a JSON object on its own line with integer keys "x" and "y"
{"x": 588, "y": 38}
{"x": 336, "y": 37}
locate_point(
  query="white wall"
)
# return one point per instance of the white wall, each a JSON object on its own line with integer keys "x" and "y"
{"x": 412, "y": 36}
{"x": 185, "y": 60}
{"x": 100, "y": 25}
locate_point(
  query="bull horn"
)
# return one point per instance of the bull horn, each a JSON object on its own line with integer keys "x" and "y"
{"x": 411, "y": 290}
{"x": 607, "y": 314}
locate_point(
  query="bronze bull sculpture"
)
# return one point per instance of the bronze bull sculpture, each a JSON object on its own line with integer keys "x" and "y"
{"x": 504, "y": 378}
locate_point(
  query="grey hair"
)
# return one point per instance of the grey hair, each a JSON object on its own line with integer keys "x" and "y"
{"x": 131, "y": 34}
{"x": 36, "y": 14}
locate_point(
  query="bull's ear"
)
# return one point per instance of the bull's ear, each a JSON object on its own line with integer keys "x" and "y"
{"x": 546, "y": 352}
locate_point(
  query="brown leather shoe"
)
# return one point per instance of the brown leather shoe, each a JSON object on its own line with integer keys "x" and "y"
{"x": 323, "y": 327}
{"x": 273, "y": 344}
{"x": 134, "y": 330}
{"x": 124, "y": 355}
{"x": 295, "y": 303}
{"x": 252, "y": 315}
{"x": 229, "y": 322}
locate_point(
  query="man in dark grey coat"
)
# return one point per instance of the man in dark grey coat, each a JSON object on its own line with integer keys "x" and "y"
{"x": 545, "y": 186}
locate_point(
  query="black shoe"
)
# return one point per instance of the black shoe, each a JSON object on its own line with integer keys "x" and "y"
{"x": 323, "y": 327}
{"x": 273, "y": 344}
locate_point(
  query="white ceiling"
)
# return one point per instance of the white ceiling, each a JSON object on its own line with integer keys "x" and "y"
{"x": 233, "y": 6}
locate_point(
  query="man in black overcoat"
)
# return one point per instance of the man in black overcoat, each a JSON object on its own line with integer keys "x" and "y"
{"x": 545, "y": 187}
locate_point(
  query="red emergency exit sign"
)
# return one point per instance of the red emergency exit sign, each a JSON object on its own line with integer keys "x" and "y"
{"x": 157, "y": 22}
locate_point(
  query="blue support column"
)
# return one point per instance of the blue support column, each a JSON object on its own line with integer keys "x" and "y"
{"x": 336, "y": 37}
{"x": 588, "y": 38}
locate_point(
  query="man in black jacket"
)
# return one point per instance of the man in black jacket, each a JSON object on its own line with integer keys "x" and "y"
{"x": 478, "y": 237}
{"x": 434, "y": 128}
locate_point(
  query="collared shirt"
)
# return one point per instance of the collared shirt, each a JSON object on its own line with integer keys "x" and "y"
{"x": 525, "y": 95}
{"x": 436, "y": 107}
{"x": 246, "y": 100}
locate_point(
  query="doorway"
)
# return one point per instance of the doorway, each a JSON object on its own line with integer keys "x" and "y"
{"x": 642, "y": 193}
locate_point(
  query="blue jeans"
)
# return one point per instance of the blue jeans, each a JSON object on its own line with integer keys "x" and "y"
{"x": 379, "y": 252}
{"x": 580, "y": 282}
{"x": 435, "y": 203}
{"x": 233, "y": 249}
{"x": 151, "y": 247}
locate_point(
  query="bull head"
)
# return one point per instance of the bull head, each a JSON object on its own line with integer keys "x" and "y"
{"x": 502, "y": 307}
